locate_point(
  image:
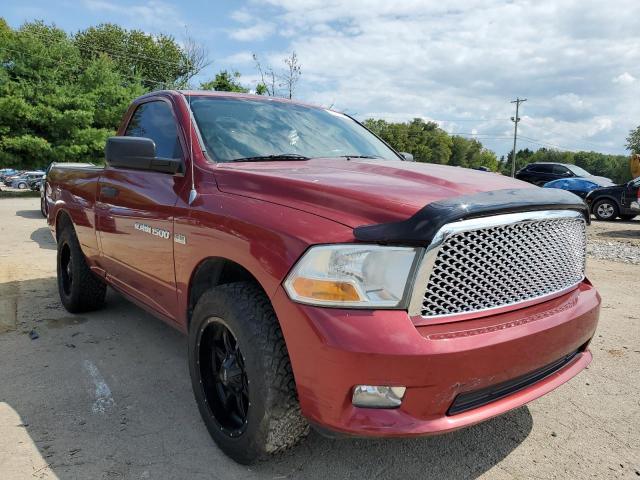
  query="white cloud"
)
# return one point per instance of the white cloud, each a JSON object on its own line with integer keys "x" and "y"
{"x": 254, "y": 28}
{"x": 448, "y": 62}
{"x": 150, "y": 13}
{"x": 238, "y": 59}
{"x": 624, "y": 78}
{"x": 242, "y": 16}
{"x": 259, "y": 31}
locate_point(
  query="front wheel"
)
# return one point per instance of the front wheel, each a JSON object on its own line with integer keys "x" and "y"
{"x": 241, "y": 374}
{"x": 605, "y": 209}
{"x": 22, "y": 186}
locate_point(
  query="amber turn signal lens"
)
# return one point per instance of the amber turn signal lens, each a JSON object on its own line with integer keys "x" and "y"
{"x": 325, "y": 290}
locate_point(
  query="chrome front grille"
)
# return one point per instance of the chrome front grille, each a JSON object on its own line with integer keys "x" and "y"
{"x": 490, "y": 263}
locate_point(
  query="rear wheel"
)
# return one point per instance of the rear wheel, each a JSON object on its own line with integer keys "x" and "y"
{"x": 80, "y": 290}
{"x": 22, "y": 186}
{"x": 241, "y": 375}
{"x": 627, "y": 217}
{"x": 43, "y": 207}
{"x": 605, "y": 209}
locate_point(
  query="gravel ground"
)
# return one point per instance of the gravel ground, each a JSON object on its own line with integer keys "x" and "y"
{"x": 106, "y": 395}
{"x": 617, "y": 241}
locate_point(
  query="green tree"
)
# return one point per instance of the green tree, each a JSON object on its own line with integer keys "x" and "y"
{"x": 522, "y": 159}
{"x": 225, "y": 81}
{"x": 429, "y": 143}
{"x": 459, "y": 150}
{"x": 54, "y": 104}
{"x": 261, "y": 89}
{"x": 424, "y": 140}
{"x": 158, "y": 60}
{"x": 633, "y": 141}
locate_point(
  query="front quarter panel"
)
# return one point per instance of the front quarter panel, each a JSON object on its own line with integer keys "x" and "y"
{"x": 264, "y": 238}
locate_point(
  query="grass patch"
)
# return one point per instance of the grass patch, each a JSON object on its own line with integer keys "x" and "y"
{"x": 16, "y": 194}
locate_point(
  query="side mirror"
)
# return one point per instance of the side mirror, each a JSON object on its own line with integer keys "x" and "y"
{"x": 138, "y": 153}
{"x": 407, "y": 157}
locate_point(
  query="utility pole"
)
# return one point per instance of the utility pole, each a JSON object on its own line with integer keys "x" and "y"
{"x": 515, "y": 120}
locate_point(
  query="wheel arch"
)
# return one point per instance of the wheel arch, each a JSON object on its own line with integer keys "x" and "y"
{"x": 212, "y": 272}
{"x": 63, "y": 219}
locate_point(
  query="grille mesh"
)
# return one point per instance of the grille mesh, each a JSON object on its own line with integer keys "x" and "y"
{"x": 506, "y": 264}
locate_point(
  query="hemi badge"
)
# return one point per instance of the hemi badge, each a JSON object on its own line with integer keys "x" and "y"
{"x": 179, "y": 238}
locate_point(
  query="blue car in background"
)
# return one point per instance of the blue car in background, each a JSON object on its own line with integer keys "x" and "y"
{"x": 577, "y": 185}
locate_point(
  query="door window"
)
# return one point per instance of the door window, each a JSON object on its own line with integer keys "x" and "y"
{"x": 560, "y": 170}
{"x": 154, "y": 120}
{"x": 542, "y": 168}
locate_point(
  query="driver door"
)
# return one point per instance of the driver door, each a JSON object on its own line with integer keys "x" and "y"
{"x": 135, "y": 214}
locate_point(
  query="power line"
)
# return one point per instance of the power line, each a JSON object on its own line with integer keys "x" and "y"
{"x": 476, "y": 134}
{"x": 582, "y": 139}
{"x": 120, "y": 54}
{"x": 515, "y": 120}
{"x": 60, "y": 61}
{"x": 546, "y": 144}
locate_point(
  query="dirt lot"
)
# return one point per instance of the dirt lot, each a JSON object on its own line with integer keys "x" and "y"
{"x": 107, "y": 396}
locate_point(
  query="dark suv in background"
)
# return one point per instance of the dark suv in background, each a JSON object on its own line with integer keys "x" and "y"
{"x": 621, "y": 201}
{"x": 541, "y": 173}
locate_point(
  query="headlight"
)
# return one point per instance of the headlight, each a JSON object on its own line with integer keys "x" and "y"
{"x": 352, "y": 276}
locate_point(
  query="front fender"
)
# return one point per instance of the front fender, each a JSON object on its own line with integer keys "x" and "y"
{"x": 264, "y": 238}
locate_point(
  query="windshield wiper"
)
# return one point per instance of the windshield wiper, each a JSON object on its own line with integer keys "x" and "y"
{"x": 268, "y": 158}
{"x": 360, "y": 156}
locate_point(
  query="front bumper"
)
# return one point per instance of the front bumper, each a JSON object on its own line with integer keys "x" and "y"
{"x": 332, "y": 350}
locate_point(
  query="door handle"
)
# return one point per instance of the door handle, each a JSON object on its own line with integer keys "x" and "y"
{"x": 110, "y": 192}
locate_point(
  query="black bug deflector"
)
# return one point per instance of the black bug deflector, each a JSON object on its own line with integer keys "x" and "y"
{"x": 425, "y": 223}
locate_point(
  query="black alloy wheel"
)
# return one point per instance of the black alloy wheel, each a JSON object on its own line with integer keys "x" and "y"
{"x": 66, "y": 268}
{"x": 224, "y": 378}
{"x": 241, "y": 374}
{"x": 80, "y": 290}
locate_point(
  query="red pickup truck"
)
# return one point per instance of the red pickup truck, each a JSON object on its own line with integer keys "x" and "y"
{"x": 322, "y": 278}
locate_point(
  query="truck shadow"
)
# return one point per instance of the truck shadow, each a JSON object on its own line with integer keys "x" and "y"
{"x": 107, "y": 395}
{"x": 42, "y": 236}
{"x": 620, "y": 234}
{"x": 30, "y": 214}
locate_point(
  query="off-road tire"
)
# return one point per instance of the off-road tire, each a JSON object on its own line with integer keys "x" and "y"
{"x": 605, "y": 205}
{"x": 43, "y": 208}
{"x": 627, "y": 217}
{"x": 83, "y": 291}
{"x": 273, "y": 419}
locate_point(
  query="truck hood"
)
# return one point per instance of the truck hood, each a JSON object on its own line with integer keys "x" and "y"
{"x": 356, "y": 192}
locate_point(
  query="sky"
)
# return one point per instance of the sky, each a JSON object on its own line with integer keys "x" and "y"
{"x": 457, "y": 63}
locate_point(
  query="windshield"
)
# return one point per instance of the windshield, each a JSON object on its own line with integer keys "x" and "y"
{"x": 242, "y": 128}
{"x": 580, "y": 172}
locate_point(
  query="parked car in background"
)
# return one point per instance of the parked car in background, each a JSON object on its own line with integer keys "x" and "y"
{"x": 540, "y": 173}
{"x": 24, "y": 181}
{"x": 7, "y": 172}
{"x": 609, "y": 203}
{"x": 36, "y": 183}
{"x": 8, "y": 179}
{"x": 578, "y": 186}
